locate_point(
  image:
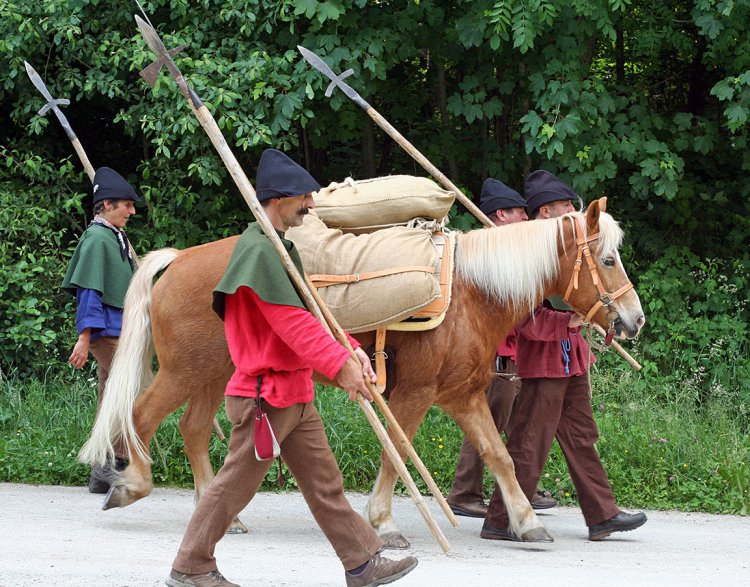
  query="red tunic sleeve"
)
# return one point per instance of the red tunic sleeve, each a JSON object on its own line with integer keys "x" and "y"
{"x": 279, "y": 344}
{"x": 305, "y": 336}
{"x": 545, "y": 325}
{"x": 539, "y": 348}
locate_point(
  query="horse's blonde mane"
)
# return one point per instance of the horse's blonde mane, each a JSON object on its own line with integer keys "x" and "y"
{"x": 513, "y": 264}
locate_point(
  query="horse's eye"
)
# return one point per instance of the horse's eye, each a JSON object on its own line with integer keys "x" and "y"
{"x": 609, "y": 262}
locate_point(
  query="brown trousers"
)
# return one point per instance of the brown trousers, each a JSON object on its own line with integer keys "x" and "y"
{"x": 468, "y": 483}
{"x": 557, "y": 408}
{"x": 305, "y": 450}
{"x": 103, "y": 349}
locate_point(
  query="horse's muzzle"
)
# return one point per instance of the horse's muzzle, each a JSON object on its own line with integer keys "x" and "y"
{"x": 625, "y": 330}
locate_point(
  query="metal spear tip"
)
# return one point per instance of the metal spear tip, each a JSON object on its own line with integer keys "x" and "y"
{"x": 29, "y": 70}
{"x": 317, "y": 62}
{"x": 337, "y": 81}
{"x": 149, "y": 34}
{"x": 51, "y": 104}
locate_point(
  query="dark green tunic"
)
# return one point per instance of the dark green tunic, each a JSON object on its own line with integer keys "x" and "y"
{"x": 256, "y": 264}
{"x": 97, "y": 264}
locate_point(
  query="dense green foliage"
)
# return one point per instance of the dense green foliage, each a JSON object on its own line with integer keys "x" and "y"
{"x": 644, "y": 102}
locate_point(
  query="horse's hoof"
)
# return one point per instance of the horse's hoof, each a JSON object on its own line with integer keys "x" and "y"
{"x": 117, "y": 497}
{"x": 537, "y": 535}
{"x": 395, "y": 541}
{"x": 237, "y": 527}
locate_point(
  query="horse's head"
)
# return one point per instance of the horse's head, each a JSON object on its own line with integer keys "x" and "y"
{"x": 594, "y": 280}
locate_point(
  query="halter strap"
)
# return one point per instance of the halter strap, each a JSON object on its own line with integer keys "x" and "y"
{"x": 604, "y": 298}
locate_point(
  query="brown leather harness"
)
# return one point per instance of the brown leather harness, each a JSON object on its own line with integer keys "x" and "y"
{"x": 605, "y": 298}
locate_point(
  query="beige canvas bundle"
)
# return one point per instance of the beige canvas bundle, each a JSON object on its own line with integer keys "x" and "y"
{"x": 368, "y": 280}
{"x": 370, "y": 204}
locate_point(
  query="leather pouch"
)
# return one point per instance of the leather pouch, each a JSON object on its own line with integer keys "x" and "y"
{"x": 266, "y": 446}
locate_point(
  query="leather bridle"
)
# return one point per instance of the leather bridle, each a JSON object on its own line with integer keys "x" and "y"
{"x": 605, "y": 298}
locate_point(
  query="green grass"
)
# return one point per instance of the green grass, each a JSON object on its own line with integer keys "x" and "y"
{"x": 660, "y": 450}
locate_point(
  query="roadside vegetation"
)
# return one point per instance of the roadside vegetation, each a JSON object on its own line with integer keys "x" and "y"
{"x": 658, "y": 454}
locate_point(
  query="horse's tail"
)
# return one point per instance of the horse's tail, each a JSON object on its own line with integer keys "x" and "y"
{"x": 130, "y": 372}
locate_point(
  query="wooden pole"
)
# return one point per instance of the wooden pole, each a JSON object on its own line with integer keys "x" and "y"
{"x": 429, "y": 167}
{"x": 615, "y": 345}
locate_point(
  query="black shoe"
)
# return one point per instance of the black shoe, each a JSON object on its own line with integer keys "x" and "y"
{"x": 476, "y": 509}
{"x": 491, "y": 533}
{"x": 622, "y": 522}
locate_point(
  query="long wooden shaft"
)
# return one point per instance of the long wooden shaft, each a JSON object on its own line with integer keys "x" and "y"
{"x": 393, "y": 455}
{"x": 83, "y": 157}
{"x": 248, "y": 193}
{"x": 429, "y": 167}
{"x": 623, "y": 353}
{"x": 392, "y": 422}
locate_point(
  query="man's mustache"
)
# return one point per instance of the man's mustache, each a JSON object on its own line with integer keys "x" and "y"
{"x": 302, "y": 211}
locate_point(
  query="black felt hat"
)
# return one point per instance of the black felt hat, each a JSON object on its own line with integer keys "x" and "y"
{"x": 110, "y": 185}
{"x": 498, "y": 196}
{"x": 542, "y": 188}
{"x": 280, "y": 177}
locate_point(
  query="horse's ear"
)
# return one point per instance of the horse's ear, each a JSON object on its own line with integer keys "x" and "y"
{"x": 592, "y": 213}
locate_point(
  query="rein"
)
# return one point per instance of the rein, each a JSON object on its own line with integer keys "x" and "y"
{"x": 605, "y": 298}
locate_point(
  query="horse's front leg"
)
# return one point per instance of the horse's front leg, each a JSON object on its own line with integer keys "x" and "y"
{"x": 379, "y": 510}
{"x": 195, "y": 426}
{"x": 476, "y": 421}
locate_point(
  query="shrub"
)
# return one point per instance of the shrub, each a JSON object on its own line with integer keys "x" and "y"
{"x": 696, "y": 339}
{"x": 35, "y": 221}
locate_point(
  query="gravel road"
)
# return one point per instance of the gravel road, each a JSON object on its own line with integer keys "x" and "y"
{"x": 60, "y": 536}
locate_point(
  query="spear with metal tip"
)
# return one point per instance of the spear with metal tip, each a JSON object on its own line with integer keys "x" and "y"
{"x": 337, "y": 81}
{"x": 314, "y": 303}
{"x": 54, "y": 105}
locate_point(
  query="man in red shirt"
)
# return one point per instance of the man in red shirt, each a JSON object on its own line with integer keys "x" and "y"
{"x": 503, "y": 205}
{"x": 554, "y": 402}
{"x": 275, "y": 344}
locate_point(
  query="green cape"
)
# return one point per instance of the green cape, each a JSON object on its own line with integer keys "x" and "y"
{"x": 256, "y": 264}
{"x": 97, "y": 264}
{"x": 557, "y": 303}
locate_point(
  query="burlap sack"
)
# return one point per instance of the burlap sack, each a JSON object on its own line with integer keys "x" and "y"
{"x": 369, "y": 303}
{"x": 370, "y": 204}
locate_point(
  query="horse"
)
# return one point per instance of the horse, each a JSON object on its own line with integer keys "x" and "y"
{"x": 501, "y": 274}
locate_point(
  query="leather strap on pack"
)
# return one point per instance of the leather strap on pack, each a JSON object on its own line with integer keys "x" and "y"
{"x": 380, "y": 358}
{"x": 324, "y": 280}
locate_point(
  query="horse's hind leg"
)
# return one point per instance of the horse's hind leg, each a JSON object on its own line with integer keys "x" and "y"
{"x": 476, "y": 421}
{"x": 409, "y": 412}
{"x": 160, "y": 399}
{"x": 195, "y": 426}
